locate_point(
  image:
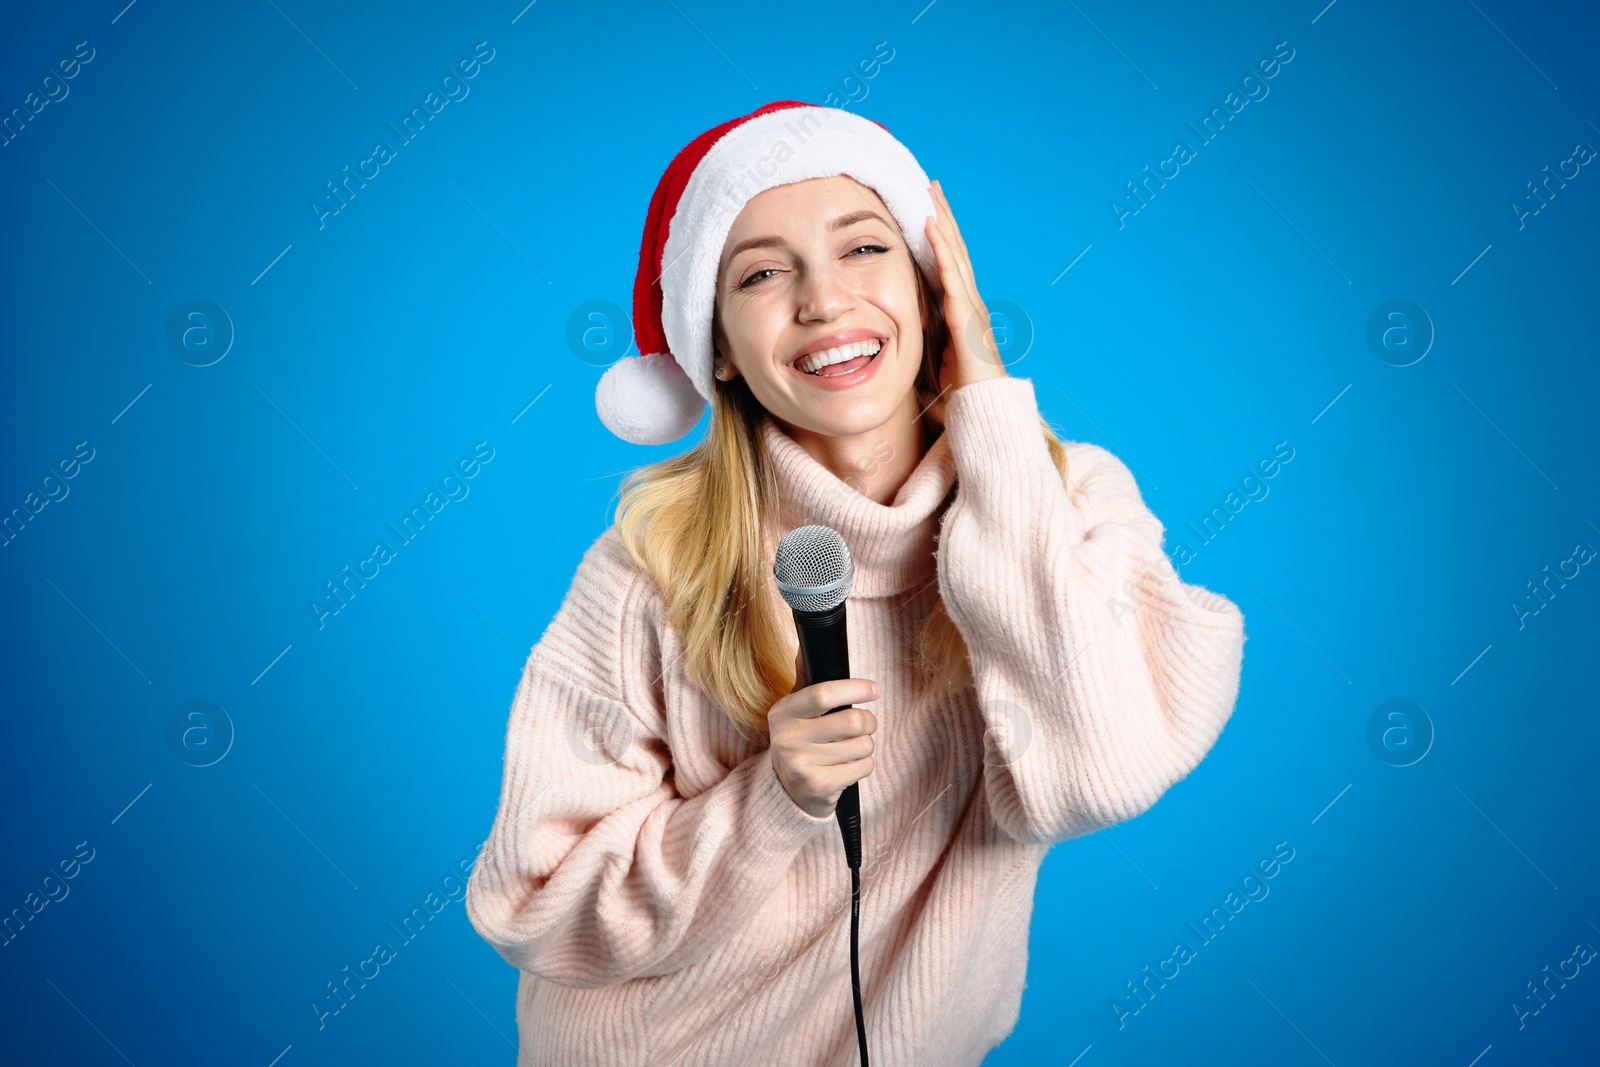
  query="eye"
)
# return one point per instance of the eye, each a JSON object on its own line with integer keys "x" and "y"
{"x": 757, "y": 276}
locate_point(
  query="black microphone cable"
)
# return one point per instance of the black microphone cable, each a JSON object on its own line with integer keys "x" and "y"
{"x": 848, "y": 811}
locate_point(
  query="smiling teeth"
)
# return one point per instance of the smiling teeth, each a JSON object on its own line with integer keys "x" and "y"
{"x": 817, "y": 360}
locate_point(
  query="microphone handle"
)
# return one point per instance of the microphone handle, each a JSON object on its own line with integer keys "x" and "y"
{"x": 825, "y": 650}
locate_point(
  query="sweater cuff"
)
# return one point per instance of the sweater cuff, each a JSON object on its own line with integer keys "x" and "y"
{"x": 997, "y": 437}
{"x": 776, "y": 821}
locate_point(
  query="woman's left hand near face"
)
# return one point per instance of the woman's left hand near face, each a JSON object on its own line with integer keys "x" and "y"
{"x": 971, "y": 354}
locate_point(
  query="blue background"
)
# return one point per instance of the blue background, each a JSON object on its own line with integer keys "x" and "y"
{"x": 360, "y": 760}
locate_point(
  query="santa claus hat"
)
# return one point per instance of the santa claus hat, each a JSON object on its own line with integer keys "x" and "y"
{"x": 660, "y": 394}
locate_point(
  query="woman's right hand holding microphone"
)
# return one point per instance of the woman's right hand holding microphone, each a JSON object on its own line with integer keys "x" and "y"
{"x": 817, "y": 756}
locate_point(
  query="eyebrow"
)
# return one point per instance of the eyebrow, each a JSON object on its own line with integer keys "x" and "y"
{"x": 837, "y": 224}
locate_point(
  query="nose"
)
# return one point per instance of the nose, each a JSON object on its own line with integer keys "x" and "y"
{"x": 823, "y": 295}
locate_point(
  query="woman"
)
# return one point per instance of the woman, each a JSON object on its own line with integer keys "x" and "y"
{"x": 663, "y": 867}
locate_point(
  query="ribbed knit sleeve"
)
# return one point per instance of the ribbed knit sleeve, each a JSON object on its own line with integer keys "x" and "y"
{"x": 596, "y": 870}
{"x": 1108, "y": 677}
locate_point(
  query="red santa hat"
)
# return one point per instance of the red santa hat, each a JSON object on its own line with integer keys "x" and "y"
{"x": 660, "y": 394}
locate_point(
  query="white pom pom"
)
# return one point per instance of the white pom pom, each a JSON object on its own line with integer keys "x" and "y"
{"x": 648, "y": 400}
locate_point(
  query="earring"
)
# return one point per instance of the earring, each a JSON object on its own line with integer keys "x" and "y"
{"x": 722, "y": 374}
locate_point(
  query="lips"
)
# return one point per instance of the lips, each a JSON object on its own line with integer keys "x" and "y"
{"x": 864, "y": 372}
{"x": 836, "y": 340}
{"x": 857, "y": 354}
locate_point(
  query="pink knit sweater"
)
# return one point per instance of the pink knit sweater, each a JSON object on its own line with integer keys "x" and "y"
{"x": 667, "y": 902}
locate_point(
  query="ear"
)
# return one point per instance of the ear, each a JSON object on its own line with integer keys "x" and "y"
{"x": 719, "y": 346}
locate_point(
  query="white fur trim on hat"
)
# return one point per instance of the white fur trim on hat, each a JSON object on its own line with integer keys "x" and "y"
{"x": 647, "y": 400}
{"x": 778, "y": 148}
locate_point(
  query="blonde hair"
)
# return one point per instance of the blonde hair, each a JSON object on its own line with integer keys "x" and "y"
{"x": 697, "y": 523}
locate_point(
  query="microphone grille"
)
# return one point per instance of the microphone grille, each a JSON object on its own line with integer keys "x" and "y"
{"x": 813, "y": 568}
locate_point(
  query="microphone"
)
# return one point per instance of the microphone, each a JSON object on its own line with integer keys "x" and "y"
{"x": 814, "y": 572}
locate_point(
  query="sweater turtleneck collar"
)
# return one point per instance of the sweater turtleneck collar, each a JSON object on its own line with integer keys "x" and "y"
{"x": 892, "y": 545}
